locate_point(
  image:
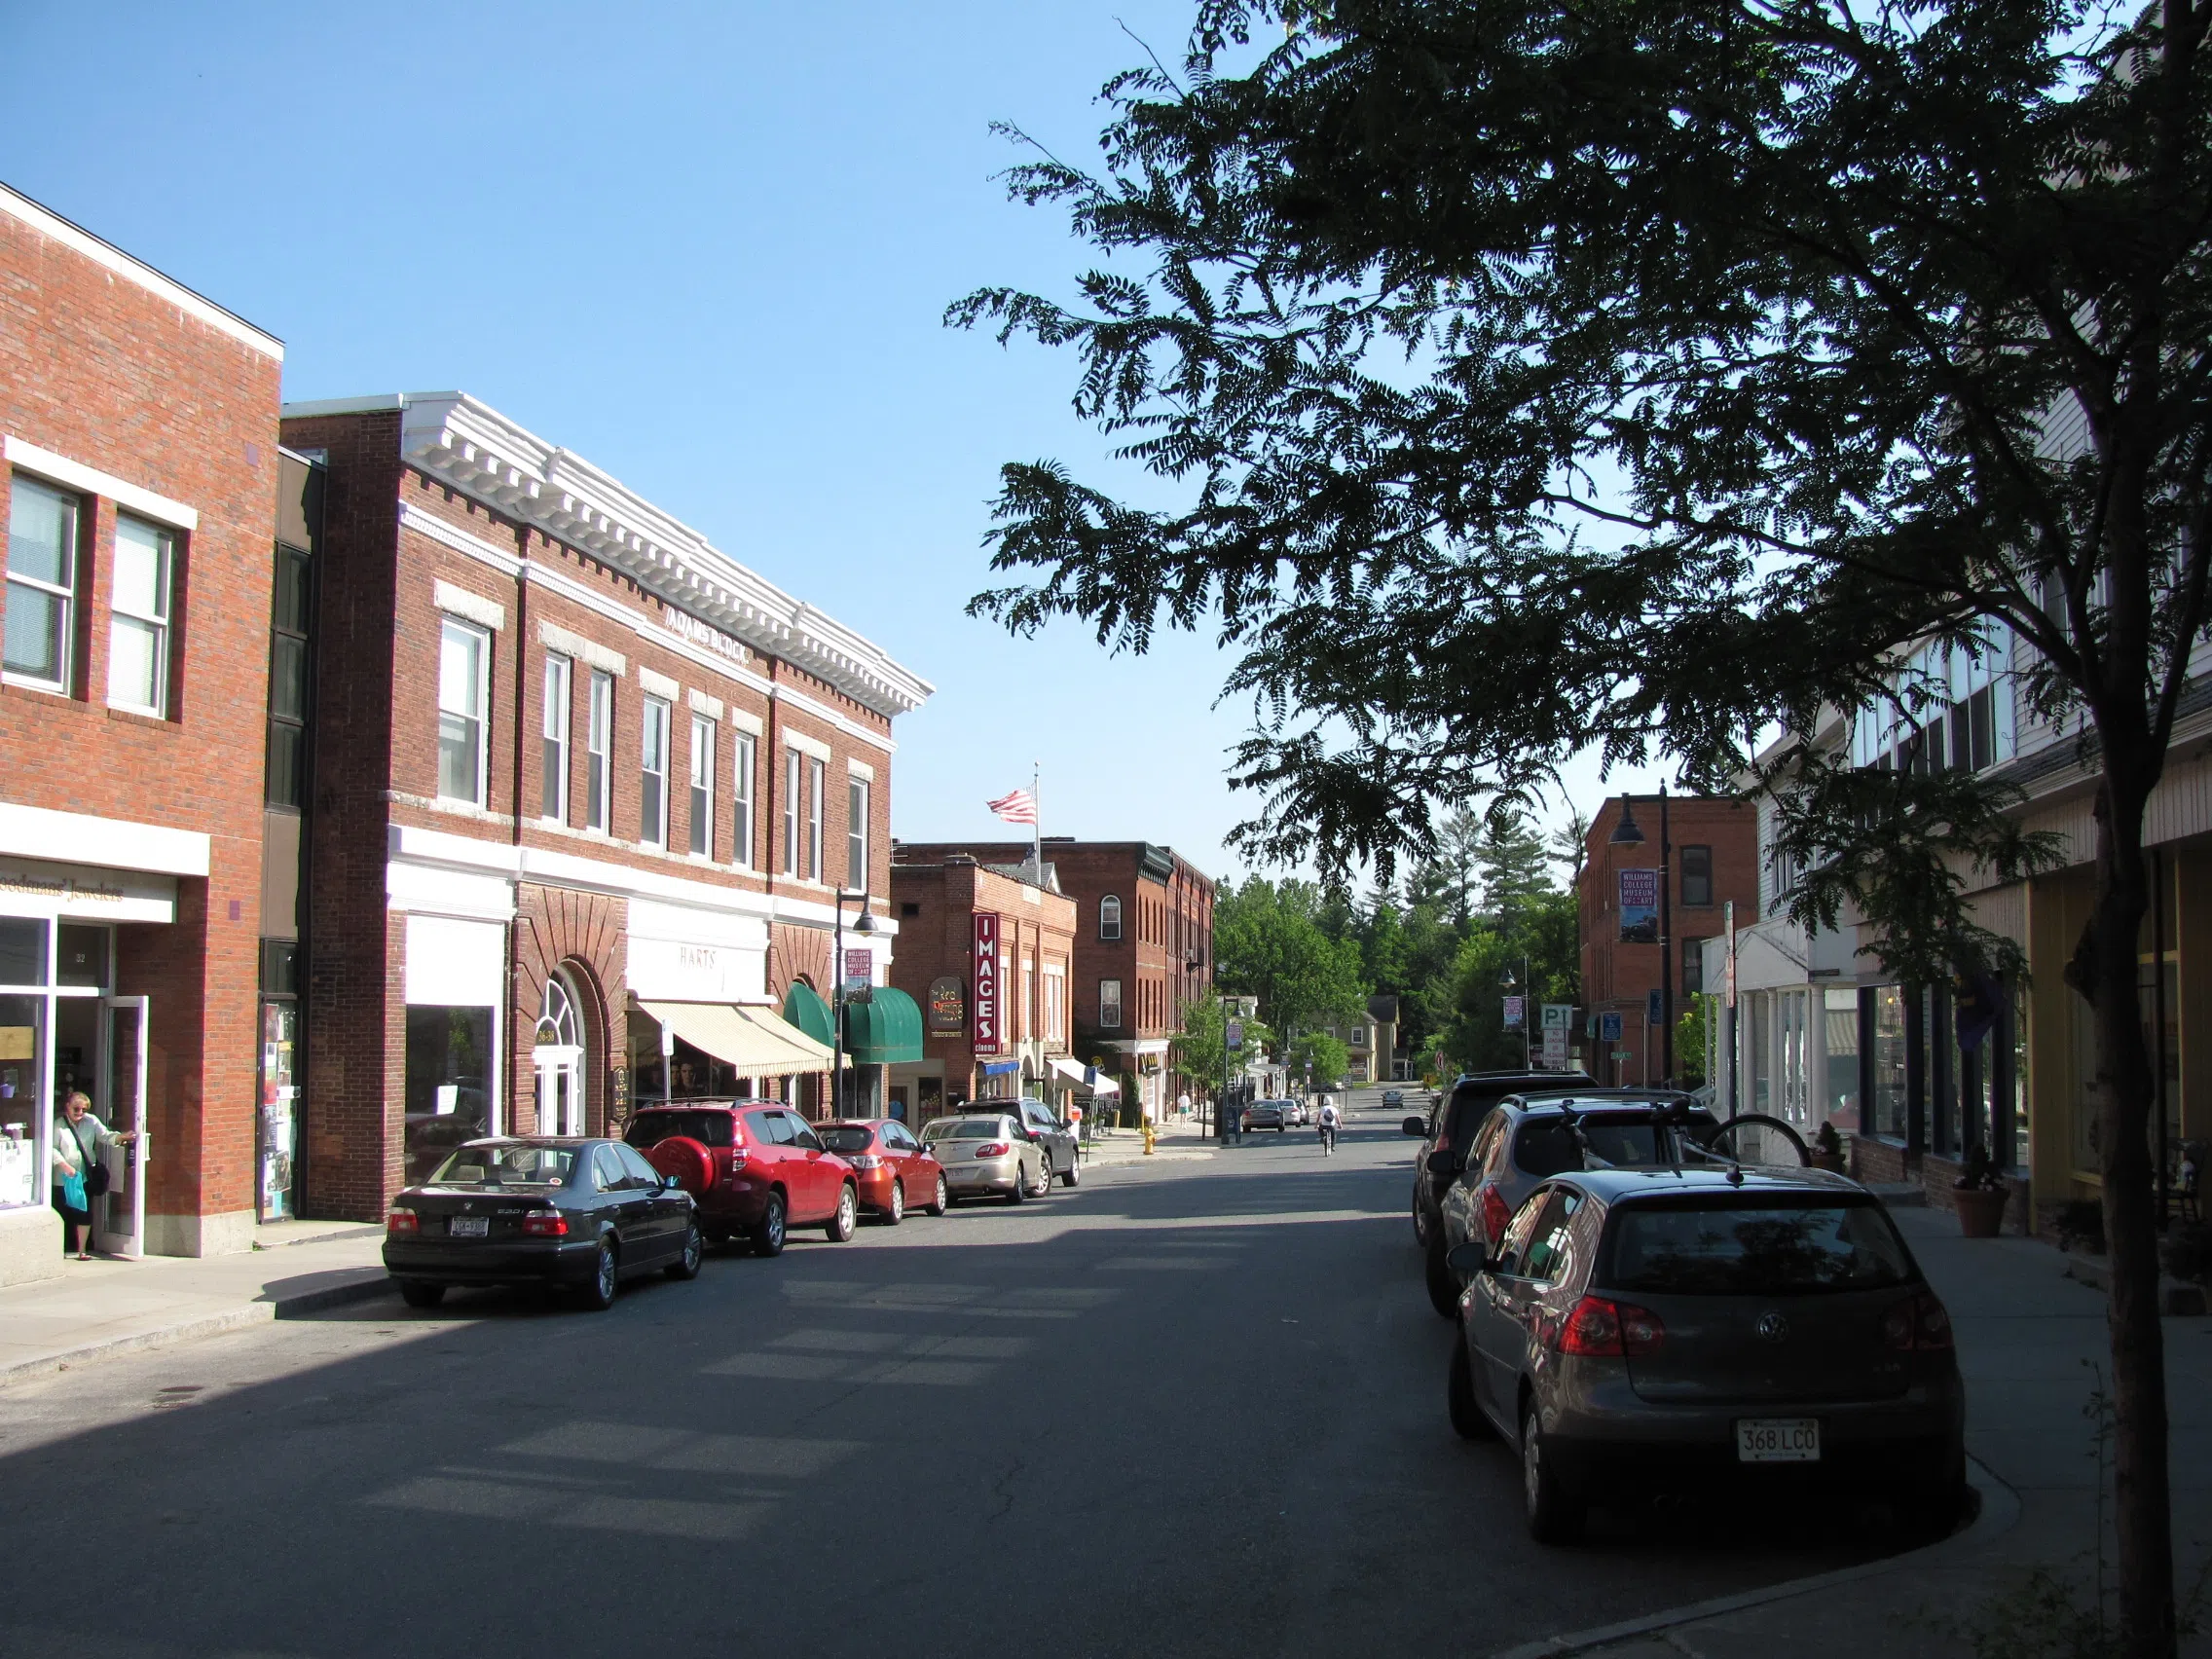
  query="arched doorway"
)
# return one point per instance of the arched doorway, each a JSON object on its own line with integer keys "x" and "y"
{"x": 558, "y": 1052}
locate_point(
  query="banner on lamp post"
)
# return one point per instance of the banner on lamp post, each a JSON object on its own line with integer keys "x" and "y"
{"x": 1640, "y": 906}
{"x": 986, "y": 980}
{"x": 1514, "y": 1016}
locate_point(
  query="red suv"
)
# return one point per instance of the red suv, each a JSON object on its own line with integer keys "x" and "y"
{"x": 754, "y": 1168}
{"x": 895, "y": 1171}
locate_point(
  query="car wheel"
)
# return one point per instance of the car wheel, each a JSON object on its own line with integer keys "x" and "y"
{"x": 1554, "y": 1516}
{"x": 1467, "y": 1420}
{"x": 417, "y": 1294}
{"x": 686, "y": 1266}
{"x": 768, "y": 1236}
{"x": 845, "y": 1220}
{"x": 605, "y": 1278}
{"x": 896, "y": 1213}
{"x": 943, "y": 1201}
{"x": 1420, "y": 1224}
{"x": 1020, "y": 1188}
{"x": 1443, "y": 1287}
{"x": 1930, "y": 1511}
{"x": 1043, "y": 1178}
{"x": 1072, "y": 1173}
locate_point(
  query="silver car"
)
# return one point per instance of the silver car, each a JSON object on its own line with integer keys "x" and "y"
{"x": 986, "y": 1155}
{"x": 1692, "y": 1329}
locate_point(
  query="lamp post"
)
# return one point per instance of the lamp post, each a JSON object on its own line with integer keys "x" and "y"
{"x": 1627, "y": 833}
{"x": 864, "y": 925}
{"x": 1528, "y": 1055}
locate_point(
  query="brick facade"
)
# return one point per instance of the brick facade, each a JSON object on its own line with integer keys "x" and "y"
{"x": 131, "y": 395}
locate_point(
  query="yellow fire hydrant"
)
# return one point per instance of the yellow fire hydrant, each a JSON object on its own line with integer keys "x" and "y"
{"x": 1148, "y": 1133}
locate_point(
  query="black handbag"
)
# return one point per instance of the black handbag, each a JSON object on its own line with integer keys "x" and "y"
{"x": 96, "y": 1177}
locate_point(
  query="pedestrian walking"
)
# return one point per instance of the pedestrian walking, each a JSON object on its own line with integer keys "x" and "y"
{"x": 79, "y": 1176}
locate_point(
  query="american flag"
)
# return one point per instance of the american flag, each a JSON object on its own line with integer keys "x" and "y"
{"x": 1019, "y": 807}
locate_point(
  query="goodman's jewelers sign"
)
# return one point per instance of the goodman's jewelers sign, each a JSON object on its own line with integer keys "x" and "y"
{"x": 34, "y": 886}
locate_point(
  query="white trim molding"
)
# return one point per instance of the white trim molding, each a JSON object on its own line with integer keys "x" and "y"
{"x": 61, "y": 469}
{"x": 743, "y": 720}
{"x": 659, "y": 684}
{"x": 807, "y": 746}
{"x": 555, "y": 638}
{"x": 470, "y": 607}
{"x": 79, "y": 838}
{"x": 702, "y": 704}
{"x": 78, "y": 240}
{"x": 860, "y": 769}
{"x": 502, "y": 559}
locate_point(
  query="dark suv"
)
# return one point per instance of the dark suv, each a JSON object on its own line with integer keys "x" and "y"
{"x": 1450, "y": 1129}
{"x": 1526, "y": 1137}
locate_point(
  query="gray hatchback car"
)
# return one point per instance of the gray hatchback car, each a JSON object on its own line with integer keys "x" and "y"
{"x": 1652, "y": 1329}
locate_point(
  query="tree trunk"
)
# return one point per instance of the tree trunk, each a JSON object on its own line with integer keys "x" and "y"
{"x": 2142, "y": 1500}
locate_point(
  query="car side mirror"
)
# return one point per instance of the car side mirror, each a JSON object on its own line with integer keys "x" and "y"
{"x": 1468, "y": 1257}
{"x": 1414, "y": 1127}
{"x": 1444, "y": 1162}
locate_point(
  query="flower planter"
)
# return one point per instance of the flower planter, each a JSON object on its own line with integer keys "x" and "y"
{"x": 1982, "y": 1210}
{"x": 1832, "y": 1161}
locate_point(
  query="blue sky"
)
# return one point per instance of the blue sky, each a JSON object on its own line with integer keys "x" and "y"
{"x": 704, "y": 245}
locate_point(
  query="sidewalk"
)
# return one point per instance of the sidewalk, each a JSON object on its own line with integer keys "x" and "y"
{"x": 2028, "y": 1339}
{"x": 99, "y": 1307}
{"x": 1177, "y": 1141}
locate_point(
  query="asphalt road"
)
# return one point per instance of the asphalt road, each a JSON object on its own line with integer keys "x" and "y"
{"x": 1191, "y": 1408}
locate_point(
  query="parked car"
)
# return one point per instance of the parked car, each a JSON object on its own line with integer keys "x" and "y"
{"x": 891, "y": 1168}
{"x": 1651, "y": 1329}
{"x": 756, "y": 1169}
{"x": 1268, "y": 1114}
{"x": 986, "y": 1153}
{"x": 1063, "y": 1152}
{"x": 580, "y": 1213}
{"x": 1526, "y": 1137}
{"x": 1393, "y": 1099}
{"x": 1450, "y": 1128}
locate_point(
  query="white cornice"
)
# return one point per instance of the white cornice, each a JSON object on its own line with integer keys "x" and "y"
{"x": 460, "y": 441}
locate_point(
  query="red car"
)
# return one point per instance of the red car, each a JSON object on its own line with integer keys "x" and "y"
{"x": 894, "y": 1168}
{"x": 755, "y": 1168}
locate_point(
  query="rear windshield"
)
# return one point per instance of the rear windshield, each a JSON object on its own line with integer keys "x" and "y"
{"x": 962, "y": 1128}
{"x": 506, "y": 1167}
{"x": 1754, "y": 1249}
{"x": 1544, "y": 1146}
{"x": 846, "y": 1139}
{"x": 708, "y": 1129}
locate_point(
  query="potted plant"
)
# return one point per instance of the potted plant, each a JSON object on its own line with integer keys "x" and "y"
{"x": 1979, "y": 1195}
{"x": 1827, "y": 1150}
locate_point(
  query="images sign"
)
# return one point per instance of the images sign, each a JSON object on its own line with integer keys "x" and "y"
{"x": 986, "y": 970}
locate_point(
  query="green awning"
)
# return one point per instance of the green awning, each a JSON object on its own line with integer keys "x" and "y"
{"x": 804, "y": 1007}
{"x": 885, "y": 1030}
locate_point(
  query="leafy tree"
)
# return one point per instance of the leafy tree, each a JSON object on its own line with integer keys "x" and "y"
{"x": 1268, "y": 943}
{"x": 1320, "y": 1056}
{"x": 1689, "y": 1038}
{"x": 1198, "y": 1049}
{"x": 1535, "y": 374}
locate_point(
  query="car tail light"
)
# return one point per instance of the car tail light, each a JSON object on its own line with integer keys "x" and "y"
{"x": 1919, "y": 1321}
{"x": 1600, "y": 1328}
{"x": 545, "y": 1224}
{"x": 737, "y": 1161}
{"x": 993, "y": 1149}
{"x": 1497, "y": 1215}
{"x": 865, "y": 1161}
{"x": 402, "y": 1221}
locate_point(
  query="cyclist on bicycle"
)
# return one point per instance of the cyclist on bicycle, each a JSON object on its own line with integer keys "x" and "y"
{"x": 1328, "y": 1122}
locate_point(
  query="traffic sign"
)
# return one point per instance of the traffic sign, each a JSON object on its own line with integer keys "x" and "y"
{"x": 1610, "y": 1026}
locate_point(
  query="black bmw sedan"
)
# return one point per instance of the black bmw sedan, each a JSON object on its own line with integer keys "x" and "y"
{"x": 581, "y": 1213}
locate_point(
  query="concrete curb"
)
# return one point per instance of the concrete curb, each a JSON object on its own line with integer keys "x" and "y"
{"x": 300, "y": 1307}
{"x": 1999, "y": 1513}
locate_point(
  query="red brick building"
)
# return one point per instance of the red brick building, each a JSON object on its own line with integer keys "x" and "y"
{"x": 1018, "y": 1045}
{"x": 1714, "y": 841}
{"x": 1143, "y": 947}
{"x": 584, "y": 793}
{"x": 138, "y": 422}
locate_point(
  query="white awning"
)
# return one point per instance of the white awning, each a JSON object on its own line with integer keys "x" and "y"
{"x": 1075, "y": 1075}
{"x": 754, "y": 1040}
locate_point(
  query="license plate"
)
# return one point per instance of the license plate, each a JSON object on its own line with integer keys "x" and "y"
{"x": 1778, "y": 1440}
{"x": 468, "y": 1226}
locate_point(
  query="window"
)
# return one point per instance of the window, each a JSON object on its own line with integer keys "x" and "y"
{"x": 1109, "y": 1003}
{"x": 42, "y": 584}
{"x": 286, "y": 780}
{"x": 1056, "y": 1006}
{"x": 1697, "y": 876}
{"x": 702, "y": 787}
{"x": 791, "y": 775}
{"x": 599, "y": 748}
{"x": 653, "y": 772}
{"x": 741, "y": 801}
{"x": 1693, "y": 966}
{"x": 555, "y": 802}
{"x": 138, "y": 637}
{"x": 1109, "y": 917}
{"x": 814, "y": 786}
{"x": 464, "y": 655}
{"x": 855, "y": 834}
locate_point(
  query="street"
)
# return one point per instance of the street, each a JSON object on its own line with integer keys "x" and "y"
{"x": 1188, "y": 1408}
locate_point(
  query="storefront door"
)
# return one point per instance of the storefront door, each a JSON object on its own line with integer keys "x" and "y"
{"x": 119, "y": 1218}
{"x": 560, "y": 1090}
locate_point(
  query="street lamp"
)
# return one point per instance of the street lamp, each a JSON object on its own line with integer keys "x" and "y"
{"x": 864, "y": 925}
{"x": 1626, "y": 834}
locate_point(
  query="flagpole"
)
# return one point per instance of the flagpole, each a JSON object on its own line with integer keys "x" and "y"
{"x": 1036, "y": 819}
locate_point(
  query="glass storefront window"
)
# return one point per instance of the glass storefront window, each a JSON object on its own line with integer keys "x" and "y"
{"x": 448, "y": 1079}
{"x": 1762, "y": 1052}
{"x": 1888, "y": 1103}
{"x": 1840, "y": 1034}
{"x": 22, "y": 1087}
{"x": 2020, "y": 1140}
{"x": 23, "y": 952}
{"x": 279, "y": 1094}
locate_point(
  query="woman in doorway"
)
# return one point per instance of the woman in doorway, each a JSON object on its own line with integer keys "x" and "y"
{"x": 79, "y": 1139}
